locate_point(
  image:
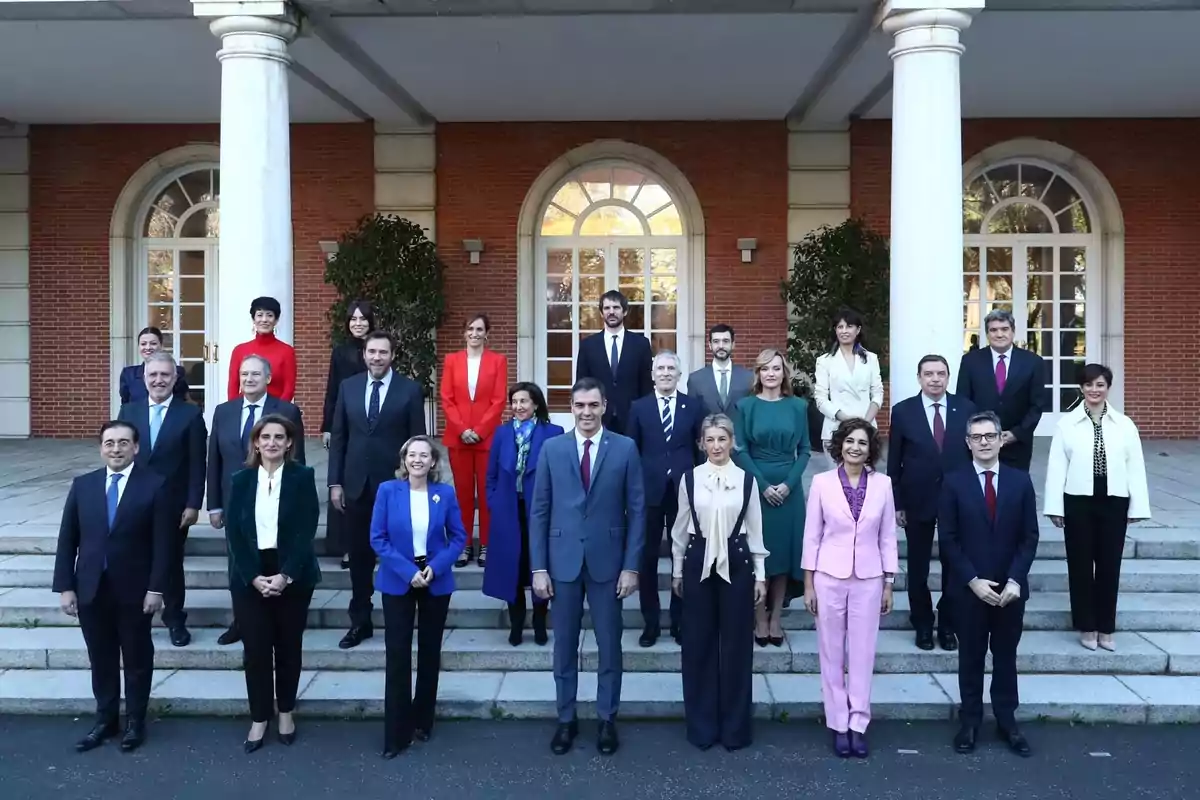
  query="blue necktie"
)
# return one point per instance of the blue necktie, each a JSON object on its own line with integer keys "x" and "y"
{"x": 613, "y": 358}
{"x": 246, "y": 428}
{"x": 156, "y": 420}
{"x": 373, "y": 409}
{"x": 667, "y": 422}
{"x": 112, "y": 498}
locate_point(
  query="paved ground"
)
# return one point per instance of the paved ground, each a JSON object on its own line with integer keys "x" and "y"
{"x": 202, "y": 759}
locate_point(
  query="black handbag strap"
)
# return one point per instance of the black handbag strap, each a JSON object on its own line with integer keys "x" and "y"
{"x": 747, "y": 488}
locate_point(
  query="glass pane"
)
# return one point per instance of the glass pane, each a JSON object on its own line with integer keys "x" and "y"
{"x": 160, "y": 262}
{"x": 972, "y": 322}
{"x": 1061, "y": 196}
{"x": 631, "y": 261}
{"x": 558, "y": 288}
{"x": 1068, "y": 398}
{"x": 1039, "y": 287}
{"x": 201, "y": 224}
{"x": 159, "y": 224}
{"x": 196, "y": 395}
{"x": 172, "y": 201}
{"x": 197, "y": 186}
{"x": 559, "y": 400}
{"x": 1071, "y": 315}
{"x": 1039, "y": 259}
{"x": 971, "y": 339}
{"x": 612, "y": 221}
{"x": 191, "y": 346}
{"x": 626, "y": 183}
{"x": 558, "y": 317}
{"x": 1048, "y": 371}
{"x": 590, "y": 289}
{"x": 161, "y": 290}
{"x": 558, "y": 261}
{"x": 1034, "y": 180}
{"x": 972, "y": 212}
{"x": 191, "y": 290}
{"x": 1020, "y": 218}
{"x": 663, "y": 260}
{"x": 571, "y": 198}
{"x": 598, "y": 183}
{"x": 559, "y": 373}
{"x": 191, "y": 262}
{"x": 664, "y": 289}
{"x": 666, "y": 222}
{"x": 1072, "y": 259}
{"x": 1000, "y": 289}
{"x": 634, "y": 288}
{"x": 557, "y": 222}
{"x": 635, "y": 320}
{"x": 663, "y": 341}
{"x": 1072, "y": 287}
{"x": 662, "y": 317}
{"x": 1074, "y": 219}
{"x": 216, "y": 184}
{"x": 1004, "y": 180}
{"x": 191, "y": 318}
{"x": 999, "y": 259}
{"x": 162, "y": 317}
{"x": 651, "y": 198}
{"x": 970, "y": 259}
{"x": 591, "y": 262}
{"x": 970, "y": 290}
{"x": 1040, "y": 342}
{"x": 1072, "y": 344}
{"x": 1072, "y": 370}
{"x": 589, "y": 317}
{"x": 558, "y": 345}
{"x": 1039, "y": 315}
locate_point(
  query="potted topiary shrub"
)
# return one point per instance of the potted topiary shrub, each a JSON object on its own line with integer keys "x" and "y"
{"x": 835, "y": 266}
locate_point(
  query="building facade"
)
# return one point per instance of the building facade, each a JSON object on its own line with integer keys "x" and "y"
{"x": 1001, "y": 183}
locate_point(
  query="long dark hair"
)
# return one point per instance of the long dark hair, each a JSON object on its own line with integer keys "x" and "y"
{"x": 363, "y": 307}
{"x": 541, "y": 411}
{"x": 850, "y": 317}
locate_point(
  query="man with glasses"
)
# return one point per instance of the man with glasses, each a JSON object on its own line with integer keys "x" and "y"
{"x": 988, "y": 532}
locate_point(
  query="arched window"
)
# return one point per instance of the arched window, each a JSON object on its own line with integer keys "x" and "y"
{"x": 1030, "y": 248}
{"x": 607, "y": 226}
{"x": 179, "y": 234}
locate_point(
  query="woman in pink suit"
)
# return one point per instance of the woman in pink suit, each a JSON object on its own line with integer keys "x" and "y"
{"x": 849, "y": 566}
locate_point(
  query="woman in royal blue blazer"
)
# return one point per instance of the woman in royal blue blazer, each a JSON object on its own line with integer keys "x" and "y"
{"x": 417, "y": 531}
{"x": 512, "y": 463}
{"x": 132, "y": 385}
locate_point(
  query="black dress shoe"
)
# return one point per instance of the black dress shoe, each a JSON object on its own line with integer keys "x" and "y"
{"x": 564, "y": 737}
{"x": 1015, "y": 741}
{"x": 345, "y": 562}
{"x": 964, "y": 740}
{"x": 135, "y": 734}
{"x": 948, "y": 641}
{"x": 421, "y": 734}
{"x": 607, "y": 741}
{"x": 391, "y": 751}
{"x": 180, "y": 636}
{"x": 648, "y": 638}
{"x": 540, "y": 636}
{"x": 677, "y": 634}
{"x": 231, "y": 636}
{"x": 355, "y": 636}
{"x": 925, "y": 639}
{"x": 515, "y": 636}
{"x": 96, "y": 736}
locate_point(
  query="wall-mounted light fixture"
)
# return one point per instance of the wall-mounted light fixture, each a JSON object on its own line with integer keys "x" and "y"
{"x": 747, "y": 246}
{"x": 474, "y": 247}
{"x": 329, "y": 249}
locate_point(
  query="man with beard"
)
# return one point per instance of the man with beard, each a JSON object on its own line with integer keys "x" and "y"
{"x": 721, "y": 384}
{"x": 620, "y": 359}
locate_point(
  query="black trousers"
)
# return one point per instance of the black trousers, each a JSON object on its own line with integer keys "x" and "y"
{"x": 659, "y": 518}
{"x": 117, "y": 632}
{"x": 718, "y": 647}
{"x": 1094, "y": 528}
{"x": 403, "y": 708}
{"x": 516, "y": 610}
{"x": 175, "y": 592}
{"x": 272, "y": 642}
{"x": 335, "y": 524}
{"x": 982, "y": 627}
{"x": 356, "y": 535}
{"x": 920, "y": 537}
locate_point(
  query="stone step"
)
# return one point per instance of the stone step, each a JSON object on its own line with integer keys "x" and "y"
{"x": 1046, "y": 575}
{"x": 1138, "y": 611}
{"x": 488, "y": 650}
{"x": 644, "y": 695}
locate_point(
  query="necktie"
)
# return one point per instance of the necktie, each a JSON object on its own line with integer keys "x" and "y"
{"x": 155, "y": 423}
{"x": 613, "y": 357}
{"x": 249, "y": 424}
{"x": 667, "y": 422}
{"x": 939, "y": 426}
{"x": 113, "y": 497}
{"x": 989, "y": 494}
{"x": 723, "y": 389}
{"x": 585, "y": 466}
{"x": 373, "y": 409}
{"x": 1001, "y": 374}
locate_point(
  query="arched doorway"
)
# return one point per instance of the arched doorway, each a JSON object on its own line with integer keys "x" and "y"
{"x": 1031, "y": 247}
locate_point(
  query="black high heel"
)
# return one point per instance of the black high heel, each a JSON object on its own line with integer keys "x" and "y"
{"x": 253, "y": 745}
{"x": 776, "y": 641}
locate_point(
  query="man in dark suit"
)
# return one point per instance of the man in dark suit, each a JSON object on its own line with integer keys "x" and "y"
{"x": 1009, "y": 381}
{"x": 172, "y": 434}
{"x": 665, "y": 427}
{"x": 114, "y": 548}
{"x": 229, "y": 442}
{"x": 928, "y": 438}
{"x": 585, "y": 538}
{"x": 619, "y": 359}
{"x": 377, "y": 411}
{"x": 721, "y": 384}
{"x": 988, "y": 531}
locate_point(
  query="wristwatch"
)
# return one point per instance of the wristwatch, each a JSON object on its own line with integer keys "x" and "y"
{"x": 889, "y": 579}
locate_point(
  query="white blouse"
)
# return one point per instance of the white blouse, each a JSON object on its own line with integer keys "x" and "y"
{"x": 473, "y": 363}
{"x": 418, "y": 506}
{"x": 718, "y": 503}
{"x": 266, "y": 508}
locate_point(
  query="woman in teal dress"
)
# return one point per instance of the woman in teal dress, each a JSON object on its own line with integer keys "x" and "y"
{"x": 773, "y": 446}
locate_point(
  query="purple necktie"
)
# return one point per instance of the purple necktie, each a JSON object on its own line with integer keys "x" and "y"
{"x": 585, "y": 466}
{"x": 1001, "y": 374}
{"x": 989, "y": 494}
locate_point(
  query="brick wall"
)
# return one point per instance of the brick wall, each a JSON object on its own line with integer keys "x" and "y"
{"x": 739, "y": 173}
{"x": 76, "y": 175}
{"x": 1153, "y": 167}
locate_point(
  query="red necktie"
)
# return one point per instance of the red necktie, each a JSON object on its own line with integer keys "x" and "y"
{"x": 939, "y": 426}
{"x": 989, "y": 494}
{"x": 1001, "y": 374}
{"x": 585, "y": 466}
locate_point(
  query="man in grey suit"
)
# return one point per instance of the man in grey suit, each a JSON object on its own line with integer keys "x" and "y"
{"x": 586, "y": 531}
{"x": 721, "y": 384}
{"x": 229, "y": 442}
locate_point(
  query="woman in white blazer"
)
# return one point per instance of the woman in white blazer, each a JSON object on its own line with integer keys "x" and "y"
{"x": 848, "y": 381}
{"x": 1095, "y": 486}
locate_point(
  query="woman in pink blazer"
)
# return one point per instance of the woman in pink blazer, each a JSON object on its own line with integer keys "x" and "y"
{"x": 849, "y": 566}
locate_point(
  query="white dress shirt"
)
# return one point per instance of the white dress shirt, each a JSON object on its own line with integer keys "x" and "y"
{"x": 121, "y": 484}
{"x": 383, "y": 390}
{"x": 928, "y": 402}
{"x": 594, "y": 439}
{"x": 719, "y": 492}
{"x": 266, "y": 508}
{"x": 166, "y": 404}
{"x": 418, "y": 514}
{"x": 1007, "y": 360}
{"x": 473, "y": 373}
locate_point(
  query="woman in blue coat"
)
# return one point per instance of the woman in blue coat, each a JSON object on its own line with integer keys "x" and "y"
{"x": 132, "y": 385}
{"x": 512, "y": 464}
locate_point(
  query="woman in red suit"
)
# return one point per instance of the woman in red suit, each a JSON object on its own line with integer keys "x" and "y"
{"x": 473, "y": 388}
{"x": 282, "y": 358}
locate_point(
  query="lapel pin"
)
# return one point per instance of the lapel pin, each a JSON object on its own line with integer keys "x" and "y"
{"x": 437, "y": 498}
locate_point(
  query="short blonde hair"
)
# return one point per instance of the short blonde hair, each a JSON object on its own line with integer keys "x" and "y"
{"x": 721, "y": 422}
{"x": 435, "y": 468}
{"x": 766, "y": 357}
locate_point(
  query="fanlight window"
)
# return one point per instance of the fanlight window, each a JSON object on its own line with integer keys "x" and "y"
{"x": 186, "y": 208}
{"x": 1022, "y": 199}
{"x": 612, "y": 201}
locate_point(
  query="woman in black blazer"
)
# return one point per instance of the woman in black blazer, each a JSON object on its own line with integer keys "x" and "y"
{"x": 132, "y": 385}
{"x": 270, "y": 522}
{"x": 345, "y": 362}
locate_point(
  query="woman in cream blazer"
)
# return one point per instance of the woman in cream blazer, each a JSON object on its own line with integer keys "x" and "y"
{"x": 1095, "y": 486}
{"x": 848, "y": 381}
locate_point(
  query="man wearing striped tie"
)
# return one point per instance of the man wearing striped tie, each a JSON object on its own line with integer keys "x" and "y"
{"x": 665, "y": 426}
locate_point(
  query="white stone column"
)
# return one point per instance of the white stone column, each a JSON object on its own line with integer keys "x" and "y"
{"x": 256, "y": 193}
{"x": 926, "y": 248}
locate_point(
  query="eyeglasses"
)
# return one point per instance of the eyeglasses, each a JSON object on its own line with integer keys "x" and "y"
{"x": 976, "y": 438}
